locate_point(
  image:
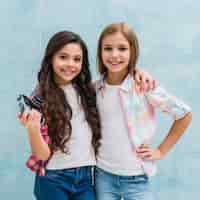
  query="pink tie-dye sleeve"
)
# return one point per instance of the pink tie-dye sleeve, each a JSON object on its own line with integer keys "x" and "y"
{"x": 168, "y": 103}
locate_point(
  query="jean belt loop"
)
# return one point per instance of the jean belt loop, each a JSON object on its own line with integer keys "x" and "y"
{"x": 92, "y": 174}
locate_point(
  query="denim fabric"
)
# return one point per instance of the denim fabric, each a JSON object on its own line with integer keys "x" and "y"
{"x": 113, "y": 187}
{"x": 74, "y": 183}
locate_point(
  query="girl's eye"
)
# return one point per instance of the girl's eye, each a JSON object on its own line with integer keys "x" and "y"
{"x": 123, "y": 48}
{"x": 107, "y": 48}
{"x": 63, "y": 57}
{"x": 77, "y": 59}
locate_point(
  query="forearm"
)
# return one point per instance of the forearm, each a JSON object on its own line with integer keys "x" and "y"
{"x": 176, "y": 131}
{"x": 39, "y": 147}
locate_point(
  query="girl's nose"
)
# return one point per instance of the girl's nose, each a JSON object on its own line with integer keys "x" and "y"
{"x": 70, "y": 63}
{"x": 115, "y": 53}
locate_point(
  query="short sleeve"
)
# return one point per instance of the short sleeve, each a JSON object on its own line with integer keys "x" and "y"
{"x": 168, "y": 103}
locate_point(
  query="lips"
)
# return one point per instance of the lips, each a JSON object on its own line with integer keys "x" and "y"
{"x": 115, "y": 64}
{"x": 68, "y": 72}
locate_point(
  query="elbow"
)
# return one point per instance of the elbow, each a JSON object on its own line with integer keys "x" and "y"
{"x": 189, "y": 116}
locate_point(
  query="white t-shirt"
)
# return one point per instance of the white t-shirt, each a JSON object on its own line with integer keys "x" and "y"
{"x": 80, "y": 148}
{"x": 115, "y": 154}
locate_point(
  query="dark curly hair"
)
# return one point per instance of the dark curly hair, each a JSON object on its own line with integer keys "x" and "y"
{"x": 56, "y": 109}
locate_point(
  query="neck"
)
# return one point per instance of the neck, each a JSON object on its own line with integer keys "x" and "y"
{"x": 116, "y": 78}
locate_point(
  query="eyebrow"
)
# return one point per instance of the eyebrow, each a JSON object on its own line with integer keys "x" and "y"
{"x": 66, "y": 54}
{"x": 121, "y": 44}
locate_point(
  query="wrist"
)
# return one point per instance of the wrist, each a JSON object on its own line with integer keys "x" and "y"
{"x": 161, "y": 152}
{"x": 33, "y": 130}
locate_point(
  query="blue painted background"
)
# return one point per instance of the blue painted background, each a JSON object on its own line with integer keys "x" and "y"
{"x": 169, "y": 35}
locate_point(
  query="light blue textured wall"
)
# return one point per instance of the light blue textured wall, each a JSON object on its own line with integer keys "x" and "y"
{"x": 169, "y": 35}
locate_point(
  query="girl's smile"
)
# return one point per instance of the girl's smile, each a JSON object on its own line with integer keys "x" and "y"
{"x": 115, "y": 64}
{"x": 68, "y": 71}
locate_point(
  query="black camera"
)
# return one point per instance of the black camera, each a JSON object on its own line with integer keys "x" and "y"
{"x": 25, "y": 103}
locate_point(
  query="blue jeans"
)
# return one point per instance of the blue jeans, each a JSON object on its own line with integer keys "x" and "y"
{"x": 66, "y": 184}
{"x": 113, "y": 187}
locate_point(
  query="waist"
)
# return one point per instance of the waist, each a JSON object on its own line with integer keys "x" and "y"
{"x": 74, "y": 170}
{"x": 101, "y": 172}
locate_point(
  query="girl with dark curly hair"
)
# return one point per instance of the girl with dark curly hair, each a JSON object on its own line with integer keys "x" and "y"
{"x": 68, "y": 104}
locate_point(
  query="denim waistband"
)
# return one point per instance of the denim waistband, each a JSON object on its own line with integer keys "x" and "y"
{"x": 74, "y": 170}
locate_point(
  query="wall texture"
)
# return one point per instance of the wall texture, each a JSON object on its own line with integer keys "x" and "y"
{"x": 169, "y": 36}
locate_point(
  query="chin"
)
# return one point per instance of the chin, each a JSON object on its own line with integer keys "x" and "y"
{"x": 116, "y": 70}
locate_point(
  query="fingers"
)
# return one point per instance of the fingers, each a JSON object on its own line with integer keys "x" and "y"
{"x": 19, "y": 115}
{"x": 145, "y": 77}
{"x": 144, "y": 152}
{"x": 138, "y": 76}
{"x": 141, "y": 77}
{"x": 151, "y": 84}
{"x": 144, "y": 81}
{"x": 29, "y": 116}
{"x": 34, "y": 115}
{"x": 142, "y": 149}
{"x": 23, "y": 117}
{"x": 141, "y": 80}
{"x": 145, "y": 155}
{"x": 147, "y": 82}
{"x": 137, "y": 88}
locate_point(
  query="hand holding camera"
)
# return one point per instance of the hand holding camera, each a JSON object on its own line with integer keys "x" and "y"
{"x": 29, "y": 113}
